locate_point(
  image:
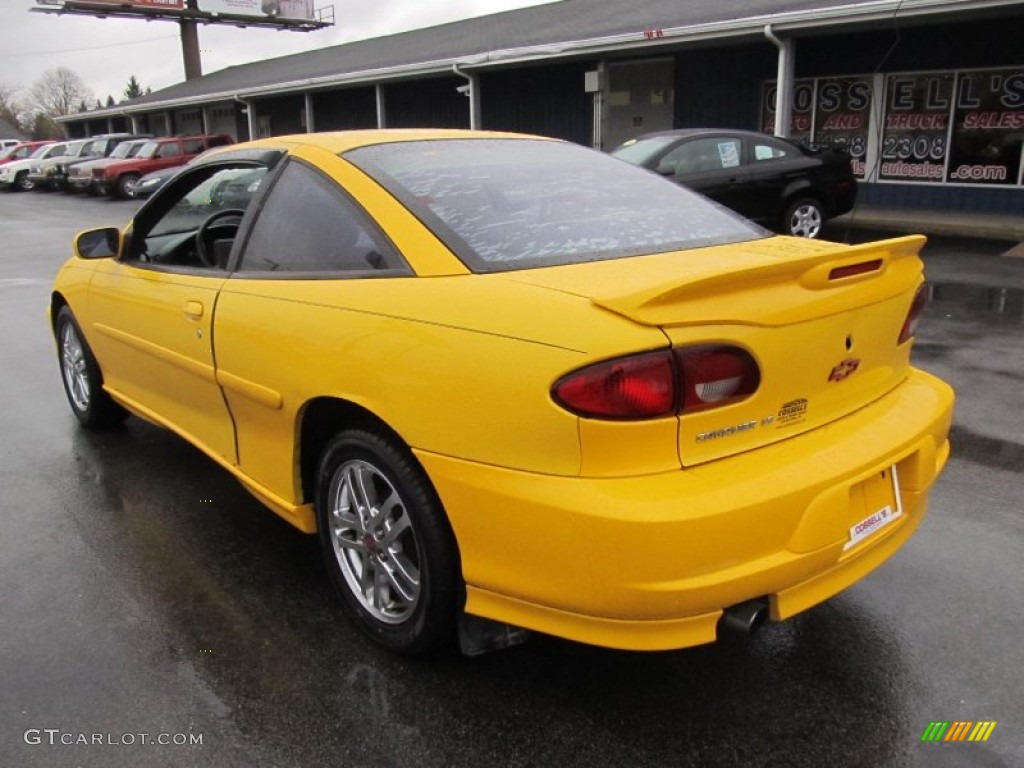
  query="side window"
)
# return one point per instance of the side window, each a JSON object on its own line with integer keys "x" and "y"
{"x": 218, "y": 141}
{"x": 193, "y": 146}
{"x": 308, "y": 225}
{"x": 197, "y": 220}
{"x": 703, "y": 155}
{"x": 171, "y": 149}
{"x": 764, "y": 150}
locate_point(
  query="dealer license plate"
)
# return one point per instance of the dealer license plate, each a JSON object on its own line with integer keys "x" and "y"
{"x": 881, "y": 495}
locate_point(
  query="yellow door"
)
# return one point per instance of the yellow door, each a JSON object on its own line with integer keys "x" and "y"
{"x": 150, "y": 331}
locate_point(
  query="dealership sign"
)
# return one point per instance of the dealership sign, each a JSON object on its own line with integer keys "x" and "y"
{"x": 988, "y": 128}
{"x": 932, "y": 128}
{"x": 916, "y": 128}
{"x": 802, "y": 117}
{"x": 841, "y": 115}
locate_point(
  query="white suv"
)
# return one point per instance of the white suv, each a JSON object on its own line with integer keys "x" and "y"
{"x": 14, "y": 176}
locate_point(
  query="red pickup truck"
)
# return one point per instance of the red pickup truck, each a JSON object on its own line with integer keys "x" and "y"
{"x": 119, "y": 179}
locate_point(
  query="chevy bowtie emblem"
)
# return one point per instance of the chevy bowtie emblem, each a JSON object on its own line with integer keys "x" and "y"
{"x": 844, "y": 369}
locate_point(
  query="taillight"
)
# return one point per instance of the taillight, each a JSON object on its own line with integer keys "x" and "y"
{"x": 658, "y": 384}
{"x": 916, "y": 308}
{"x": 637, "y": 387}
{"x": 713, "y": 376}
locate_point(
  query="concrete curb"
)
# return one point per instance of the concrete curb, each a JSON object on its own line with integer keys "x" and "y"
{"x": 931, "y": 222}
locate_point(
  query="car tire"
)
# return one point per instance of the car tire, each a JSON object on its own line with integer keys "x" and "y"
{"x": 22, "y": 183}
{"x": 125, "y": 188}
{"x": 804, "y": 217}
{"x": 386, "y": 542}
{"x": 80, "y": 373}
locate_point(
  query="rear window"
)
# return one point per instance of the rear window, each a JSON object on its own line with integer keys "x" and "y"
{"x": 504, "y": 204}
{"x": 640, "y": 151}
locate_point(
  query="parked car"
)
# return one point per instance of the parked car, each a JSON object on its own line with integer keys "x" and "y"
{"x": 21, "y": 151}
{"x": 151, "y": 182}
{"x": 120, "y": 179}
{"x": 101, "y": 146}
{"x": 80, "y": 175}
{"x": 510, "y": 379}
{"x": 780, "y": 184}
{"x": 42, "y": 171}
{"x": 8, "y": 143}
{"x": 14, "y": 176}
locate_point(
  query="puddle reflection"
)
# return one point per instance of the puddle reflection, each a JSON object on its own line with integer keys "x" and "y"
{"x": 991, "y": 304}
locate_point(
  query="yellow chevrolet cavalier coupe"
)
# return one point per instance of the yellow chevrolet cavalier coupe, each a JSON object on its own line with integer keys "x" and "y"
{"x": 514, "y": 383}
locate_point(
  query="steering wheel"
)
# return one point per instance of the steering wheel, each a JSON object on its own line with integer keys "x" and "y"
{"x": 229, "y": 218}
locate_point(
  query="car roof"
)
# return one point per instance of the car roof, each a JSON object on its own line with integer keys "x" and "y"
{"x": 342, "y": 141}
{"x": 690, "y": 132}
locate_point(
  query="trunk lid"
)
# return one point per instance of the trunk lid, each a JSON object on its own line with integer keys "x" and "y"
{"x": 822, "y": 320}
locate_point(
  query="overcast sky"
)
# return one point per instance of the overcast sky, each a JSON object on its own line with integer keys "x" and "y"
{"x": 104, "y": 52}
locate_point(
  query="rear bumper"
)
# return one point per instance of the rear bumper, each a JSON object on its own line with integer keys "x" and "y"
{"x": 650, "y": 562}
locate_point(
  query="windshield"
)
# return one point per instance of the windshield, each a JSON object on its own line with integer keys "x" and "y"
{"x": 124, "y": 149}
{"x": 77, "y": 148}
{"x": 148, "y": 149}
{"x": 48, "y": 150}
{"x": 640, "y": 151}
{"x": 8, "y": 152}
{"x": 502, "y": 204}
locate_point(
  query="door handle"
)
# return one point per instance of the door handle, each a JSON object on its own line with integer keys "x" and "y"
{"x": 193, "y": 309}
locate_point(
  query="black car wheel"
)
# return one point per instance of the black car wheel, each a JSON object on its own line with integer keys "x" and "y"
{"x": 22, "y": 183}
{"x": 386, "y": 542}
{"x": 126, "y": 185}
{"x": 83, "y": 382}
{"x": 804, "y": 218}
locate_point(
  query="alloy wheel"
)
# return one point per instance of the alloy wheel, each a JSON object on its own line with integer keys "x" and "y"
{"x": 374, "y": 541}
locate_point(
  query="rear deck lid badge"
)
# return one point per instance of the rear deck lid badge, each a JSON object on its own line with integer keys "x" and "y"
{"x": 844, "y": 369}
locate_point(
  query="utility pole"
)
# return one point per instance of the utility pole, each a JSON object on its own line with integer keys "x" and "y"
{"x": 190, "y": 46}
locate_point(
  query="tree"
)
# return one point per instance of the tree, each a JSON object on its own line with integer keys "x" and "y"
{"x": 43, "y": 127}
{"x": 59, "y": 92}
{"x": 10, "y": 108}
{"x": 110, "y": 100}
{"x": 133, "y": 90}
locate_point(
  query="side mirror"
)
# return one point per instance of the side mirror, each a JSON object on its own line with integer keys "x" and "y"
{"x": 665, "y": 169}
{"x": 98, "y": 243}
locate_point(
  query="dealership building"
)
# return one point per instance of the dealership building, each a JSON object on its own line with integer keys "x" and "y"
{"x": 926, "y": 95}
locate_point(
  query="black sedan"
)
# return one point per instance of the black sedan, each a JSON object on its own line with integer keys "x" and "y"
{"x": 777, "y": 183}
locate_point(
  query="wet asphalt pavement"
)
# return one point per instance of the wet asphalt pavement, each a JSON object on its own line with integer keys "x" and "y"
{"x": 142, "y": 591}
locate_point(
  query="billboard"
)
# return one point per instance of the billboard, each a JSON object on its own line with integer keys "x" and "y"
{"x": 175, "y": 5}
{"x": 278, "y": 9}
